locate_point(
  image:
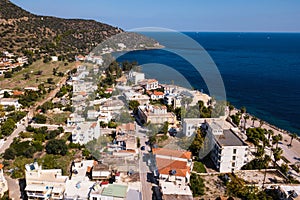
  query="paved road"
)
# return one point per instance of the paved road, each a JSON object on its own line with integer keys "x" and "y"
{"x": 144, "y": 170}
{"x": 146, "y": 187}
{"x": 10, "y": 138}
{"x": 15, "y": 193}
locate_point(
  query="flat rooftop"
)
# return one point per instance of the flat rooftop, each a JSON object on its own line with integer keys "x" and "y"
{"x": 229, "y": 138}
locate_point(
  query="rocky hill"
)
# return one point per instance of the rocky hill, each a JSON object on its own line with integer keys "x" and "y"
{"x": 36, "y": 36}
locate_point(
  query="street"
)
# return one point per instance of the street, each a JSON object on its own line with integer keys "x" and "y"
{"x": 10, "y": 138}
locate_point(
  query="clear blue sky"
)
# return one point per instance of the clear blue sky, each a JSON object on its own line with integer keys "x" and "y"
{"x": 188, "y": 15}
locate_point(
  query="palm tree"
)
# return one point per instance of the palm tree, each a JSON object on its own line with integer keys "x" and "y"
{"x": 276, "y": 139}
{"x": 270, "y": 133}
{"x": 293, "y": 135}
{"x": 277, "y": 155}
{"x": 231, "y": 108}
{"x": 243, "y": 109}
{"x": 246, "y": 117}
{"x": 253, "y": 120}
{"x": 261, "y": 122}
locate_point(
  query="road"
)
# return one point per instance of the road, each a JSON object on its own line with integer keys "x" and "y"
{"x": 144, "y": 171}
{"x": 146, "y": 187}
{"x": 10, "y": 138}
{"x": 13, "y": 183}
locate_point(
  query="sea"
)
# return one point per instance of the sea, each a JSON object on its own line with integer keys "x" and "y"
{"x": 260, "y": 71}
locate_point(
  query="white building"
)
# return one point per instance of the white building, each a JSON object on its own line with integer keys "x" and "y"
{"x": 85, "y": 132}
{"x": 135, "y": 96}
{"x": 229, "y": 151}
{"x": 44, "y": 183}
{"x": 92, "y": 114}
{"x": 171, "y": 190}
{"x": 156, "y": 114}
{"x": 78, "y": 189}
{"x": 5, "y": 102}
{"x": 149, "y": 84}
{"x": 3, "y": 182}
{"x": 136, "y": 77}
{"x": 190, "y": 125}
{"x": 74, "y": 119}
{"x": 109, "y": 192}
{"x": 156, "y": 95}
{"x": 173, "y": 165}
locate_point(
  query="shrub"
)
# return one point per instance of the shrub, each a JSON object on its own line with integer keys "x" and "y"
{"x": 56, "y": 147}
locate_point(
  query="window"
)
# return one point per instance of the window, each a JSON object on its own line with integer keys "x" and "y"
{"x": 233, "y": 164}
{"x": 233, "y": 157}
{"x": 234, "y": 151}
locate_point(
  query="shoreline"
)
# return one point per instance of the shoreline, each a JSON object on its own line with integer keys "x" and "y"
{"x": 267, "y": 124}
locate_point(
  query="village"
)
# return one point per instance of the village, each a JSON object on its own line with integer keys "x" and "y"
{"x": 141, "y": 140}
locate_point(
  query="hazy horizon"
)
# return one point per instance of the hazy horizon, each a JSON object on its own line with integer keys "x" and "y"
{"x": 191, "y": 16}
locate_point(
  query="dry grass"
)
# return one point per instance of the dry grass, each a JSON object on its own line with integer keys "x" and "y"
{"x": 58, "y": 118}
{"x": 18, "y": 81}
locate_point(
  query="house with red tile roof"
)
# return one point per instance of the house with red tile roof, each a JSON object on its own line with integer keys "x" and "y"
{"x": 156, "y": 95}
{"x": 173, "y": 165}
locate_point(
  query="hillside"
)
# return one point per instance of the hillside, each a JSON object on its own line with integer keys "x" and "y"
{"x": 36, "y": 36}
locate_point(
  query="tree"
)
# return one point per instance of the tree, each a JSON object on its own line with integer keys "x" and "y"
{"x": 8, "y": 127}
{"x": 277, "y": 152}
{"x": 246, "y": 117}
{"x": 133, "y": 105}
{"x": 50, "y": 80}
{"x": 54, "y": 71}
{"x": 293, "y": 135}
{"x": 261, "y": 123}
{"x": 8, "y": 74}
{"x": 10, "y": 108}
{"x": 197, "y": 185}
{"x": 138, "y": 142}
{"x": 26, "y": 76}
{"x": 40, "y": 119}
{"x": 199, "y": 167}
{"x": 197, "y": 142}
{"x": 165, "y": 127}
{"x": 253, "y": 120}
{"x": 6, "y": 94}
{"x": 9, "y": 154}
{"x": 276, "y": 139}
{"x": 236, "y": 119}
{"x": 103, "y": 124}
{"x": 56, "y": 147}
{"x": 243, "y": 109}
{"x": 231, "y": 108}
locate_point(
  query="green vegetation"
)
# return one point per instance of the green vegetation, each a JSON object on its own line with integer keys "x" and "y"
{"x": 199, "y": 167}
{"x": 9, "y": 125}
{"x": 258, "y": 163}
{"x": 236, "y": 118}
{"x": 237, "y": 187}
{"x": 197, "y": 185}
{"x": 138, "y": 142}
{"x": 197, "y": 143}
{"x": 133, "y": 105}
{"x": 56, "y": 147}
{"x": 40, "y": 119}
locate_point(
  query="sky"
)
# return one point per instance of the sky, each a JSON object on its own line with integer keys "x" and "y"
{"x": 188, "y": 15}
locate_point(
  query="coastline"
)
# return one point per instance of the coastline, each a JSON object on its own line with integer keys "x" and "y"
{"x": 291, "y": 153}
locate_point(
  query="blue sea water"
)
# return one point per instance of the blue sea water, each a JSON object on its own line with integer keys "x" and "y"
{"x": 260, "y": 71}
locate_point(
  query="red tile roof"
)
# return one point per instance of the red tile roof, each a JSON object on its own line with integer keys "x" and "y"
{"x": 164, "y": 166}
{"x": 158, "y": 93}
{"x": 172, "y": 153}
